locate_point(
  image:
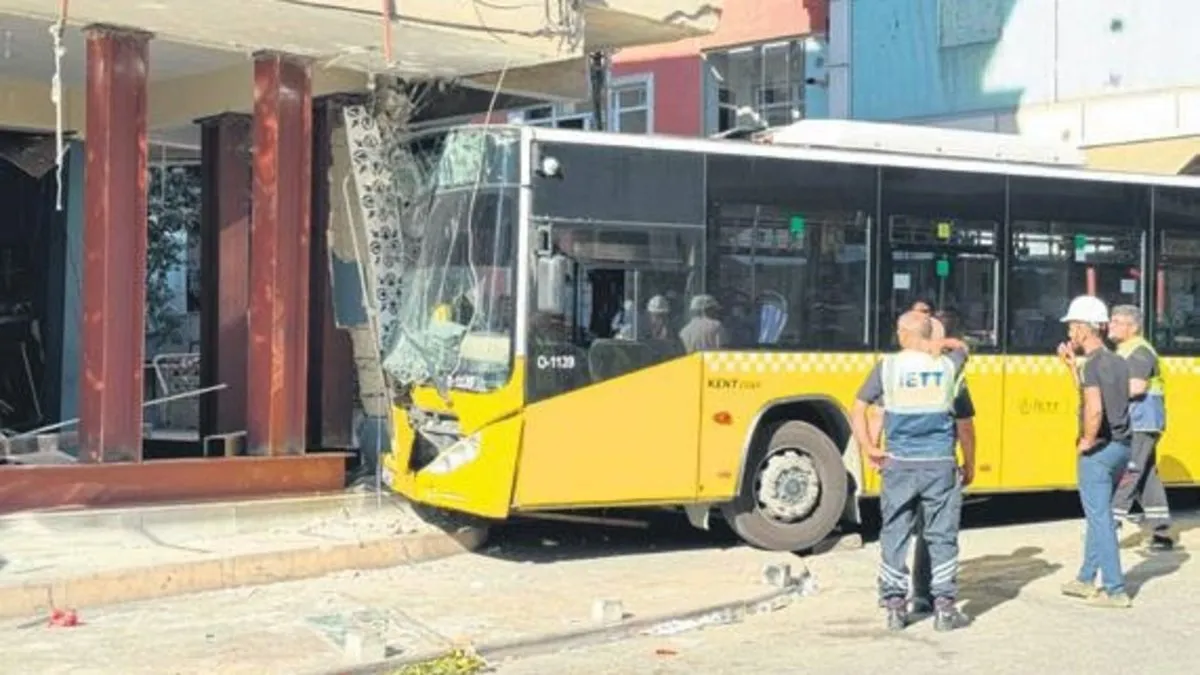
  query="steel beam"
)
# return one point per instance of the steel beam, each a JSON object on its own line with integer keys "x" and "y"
{"x": 331, "y": 378}
{"x": 114, "y": 240}
{"x": 25, "y": 488}
{"x": 277, "y": 363}
{"x": 225, "y": 148}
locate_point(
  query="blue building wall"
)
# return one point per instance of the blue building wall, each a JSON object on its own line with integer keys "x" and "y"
{"x": 816, "y": 96}
{"x": 925, "y": 58}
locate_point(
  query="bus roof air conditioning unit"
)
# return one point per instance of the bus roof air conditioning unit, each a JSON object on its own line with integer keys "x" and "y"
{"x": 925, "y": 141}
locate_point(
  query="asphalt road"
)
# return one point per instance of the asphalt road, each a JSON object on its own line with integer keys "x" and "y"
{"x": 1016, "y": 554}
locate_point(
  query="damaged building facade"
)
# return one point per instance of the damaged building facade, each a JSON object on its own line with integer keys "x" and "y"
{"x": 187, "y": 185}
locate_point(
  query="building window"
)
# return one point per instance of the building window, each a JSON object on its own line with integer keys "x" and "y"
{"x": 756, "y": 84}
{"x": 631, "y": 105}
{"x": 630, "y": 109}
{"x": 557, "y": 115}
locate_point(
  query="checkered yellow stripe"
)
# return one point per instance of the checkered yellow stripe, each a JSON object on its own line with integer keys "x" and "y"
{"x": 818, "y": 362}
{"x": 788, "y": 362}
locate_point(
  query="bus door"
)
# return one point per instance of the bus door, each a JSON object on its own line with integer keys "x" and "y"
{"x": 942, "y": 247}
{"x": 611, "y": 415}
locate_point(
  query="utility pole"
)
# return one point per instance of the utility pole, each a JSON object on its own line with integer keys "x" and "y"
{"x": 598, "y": 63}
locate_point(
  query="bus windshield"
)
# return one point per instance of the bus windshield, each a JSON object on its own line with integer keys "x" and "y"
{"x": 455, "y": 318}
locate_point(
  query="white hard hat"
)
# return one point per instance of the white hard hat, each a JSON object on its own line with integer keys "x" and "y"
{"x": 658, "y": 305}
{"x": 1087, "y": 309}
{"x": 702, "y": 302}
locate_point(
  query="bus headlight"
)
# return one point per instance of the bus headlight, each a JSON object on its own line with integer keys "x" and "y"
{"x": 454, "y": 457}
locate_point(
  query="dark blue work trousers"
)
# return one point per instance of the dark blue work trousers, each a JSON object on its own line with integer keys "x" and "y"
{"x": 932, "y": 492}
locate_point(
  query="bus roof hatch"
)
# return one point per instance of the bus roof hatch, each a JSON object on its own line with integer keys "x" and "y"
{"x": 927, "y": 141}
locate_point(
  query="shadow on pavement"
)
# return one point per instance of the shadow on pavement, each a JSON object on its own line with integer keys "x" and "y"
{"x": 989, "y": 581}
{"x": 995, "y": 511}
{"x": 1153, "y": 565}
{"x": 538, "y": 541}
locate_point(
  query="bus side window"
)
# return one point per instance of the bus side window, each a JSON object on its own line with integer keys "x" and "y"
{"x": 624, "y": 306}
{"x": 789, "y": 241}
{"x": 1174, "y": 316}
{"x": 942, "y": 246}
{"x": 1070, "y": 238}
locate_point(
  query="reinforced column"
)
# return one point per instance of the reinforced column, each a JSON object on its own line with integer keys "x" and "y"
{"x": 114, "y": 242}
{"x": 225, "y": 147}
{"x": 277, "y": 359}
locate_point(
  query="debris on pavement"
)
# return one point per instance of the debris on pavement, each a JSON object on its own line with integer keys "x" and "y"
{"x": 607, "y": 611}
{"x": 781, "y": 576}
{"x": 459, "y": 662}
{"x": 63, "y": 618}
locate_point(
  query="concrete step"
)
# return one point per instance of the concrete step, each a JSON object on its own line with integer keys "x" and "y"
{"x": 104, "y": 556}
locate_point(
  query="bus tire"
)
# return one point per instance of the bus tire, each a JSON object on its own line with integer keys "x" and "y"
{"x": 793, "y": 492}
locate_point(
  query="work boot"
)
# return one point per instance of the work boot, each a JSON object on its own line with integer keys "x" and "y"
{"x": 1079, "y": 589}
{"x": 897, "y": 615}
{"x": 922, "y": 605}
{"x": 946, "y": 616}
{"x": 1161, "y": 541}
{"x": 1111, "y": 601}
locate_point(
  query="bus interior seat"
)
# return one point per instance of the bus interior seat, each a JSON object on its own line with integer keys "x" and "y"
{"x": 772, "y": 317}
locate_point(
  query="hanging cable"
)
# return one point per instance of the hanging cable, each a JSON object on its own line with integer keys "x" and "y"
{"x": 56, "y": 97}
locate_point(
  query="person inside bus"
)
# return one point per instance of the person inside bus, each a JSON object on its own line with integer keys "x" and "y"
{"x": 658, "y": 313}
{"x": 704, "y": 330}
{"x": 657, "y": 334}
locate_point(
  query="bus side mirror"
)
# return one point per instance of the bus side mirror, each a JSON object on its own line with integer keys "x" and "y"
{"x": 551, "y": 284}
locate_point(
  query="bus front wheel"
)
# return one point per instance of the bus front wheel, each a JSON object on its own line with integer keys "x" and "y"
{"x": 793, "y": 491}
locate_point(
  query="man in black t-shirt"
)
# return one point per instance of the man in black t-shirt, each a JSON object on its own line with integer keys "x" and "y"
{"x": 1102, "y": 448}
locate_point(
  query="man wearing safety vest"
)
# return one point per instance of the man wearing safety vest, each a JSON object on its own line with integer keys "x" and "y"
{"x": 916, "y": 388}
{"x": 1148, "y": 420}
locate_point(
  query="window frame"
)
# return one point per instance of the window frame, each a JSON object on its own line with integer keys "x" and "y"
{"x": 1143, "y": 229}
{"x": 1154, "y": 260}
{"x": 578, "y": 326}
{"x": 797, "y": 99}
{"x": 571, "y": 112}
{"x": 868, "y": 341}
{"x": 633, "y": 81}
{"x": 885, "y": 317}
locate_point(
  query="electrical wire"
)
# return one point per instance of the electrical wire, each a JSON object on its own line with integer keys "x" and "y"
{"x": 56, "y": 97}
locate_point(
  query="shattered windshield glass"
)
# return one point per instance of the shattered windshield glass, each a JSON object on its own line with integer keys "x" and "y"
{"x": 457, "y": 307}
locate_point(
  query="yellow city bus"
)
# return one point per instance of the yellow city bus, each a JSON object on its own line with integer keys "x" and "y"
{"x": 541, "y": 383}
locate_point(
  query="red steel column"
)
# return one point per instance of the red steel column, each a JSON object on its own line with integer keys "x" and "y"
{"x": 277, "y": 365}
{"x": 114, "y": 241}
{"x": 225, "y": 143}
{"x": 331, "y": 375}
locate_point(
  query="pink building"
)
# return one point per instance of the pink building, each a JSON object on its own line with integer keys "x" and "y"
{"x": 765, "y": 61}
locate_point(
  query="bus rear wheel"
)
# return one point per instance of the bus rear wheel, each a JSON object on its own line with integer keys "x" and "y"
{"x": 793, "y": 492}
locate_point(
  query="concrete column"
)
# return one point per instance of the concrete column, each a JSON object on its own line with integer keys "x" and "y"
{"x": 114, "y": 242}
{"x": 277, "y": 360}
{"x": 331, "y": 377}
{"x": 225, "y": 150}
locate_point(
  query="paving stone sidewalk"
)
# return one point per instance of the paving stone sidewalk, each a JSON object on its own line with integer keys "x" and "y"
{"x": 294, "y": 627}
